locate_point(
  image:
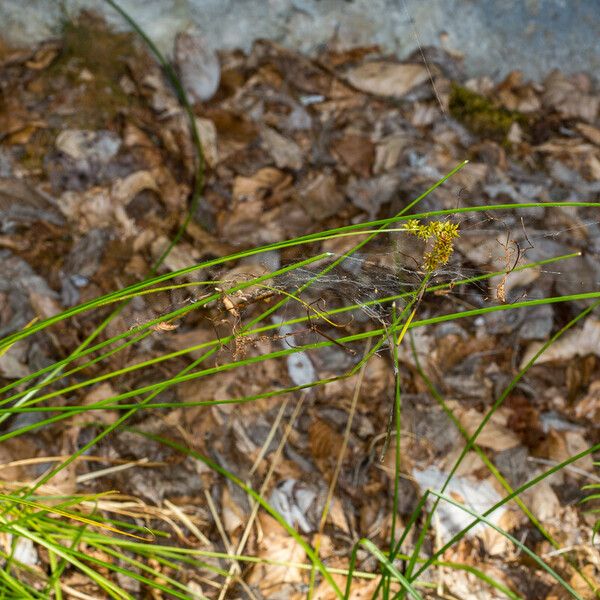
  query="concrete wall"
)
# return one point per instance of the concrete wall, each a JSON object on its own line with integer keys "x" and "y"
{"x": 496, "y": 36}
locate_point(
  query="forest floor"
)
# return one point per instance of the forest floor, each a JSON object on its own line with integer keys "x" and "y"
{"x": 97, "y": 167}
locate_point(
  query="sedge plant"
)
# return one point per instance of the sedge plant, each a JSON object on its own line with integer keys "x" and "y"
{"x": 85, "y": 534}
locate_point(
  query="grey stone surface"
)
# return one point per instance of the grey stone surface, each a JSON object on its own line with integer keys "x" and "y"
{"x": 495, "y": 36}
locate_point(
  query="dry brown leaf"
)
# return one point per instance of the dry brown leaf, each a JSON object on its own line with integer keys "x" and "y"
{"x": 387, "y": 79}
{"x": 208, "y": 136}
{"x": 321, "y": 196}
{"x": 234, "y": 517}
{"x": 277, "y": 545}
{"x": 356, "y": 151}
{"x": 265, "y": 181}
{"x": 561, "y": 445}
{"x": 95, "y": 208}
{"x": 45, "y": 306}
{"x": 564, "y": 95}
{"x": 589, "y": 572}
{"x": 590, "y": 132}
{"x": 284, "y": 151}
{"x": 372, "y": 193}
{"x": 180, "y": 257}
{"x": 495, "y": 434}
{"x": 97, "y": 394}
{"x": 542, "y": 501}
{"x": 337, "y": 516}
{"x": 588, "y": 407}
{"x": 578, "y": 342}
{"x": 23, "y": 134}
{"x": 12, "y": 450}
{"x": 389, "y": 150}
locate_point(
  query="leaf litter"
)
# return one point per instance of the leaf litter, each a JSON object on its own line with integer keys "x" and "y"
{"x": 96, "y": 166}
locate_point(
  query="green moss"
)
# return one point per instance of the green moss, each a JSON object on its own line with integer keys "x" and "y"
{"x": 91, "y": 63}
{"x": 481, "y": 115}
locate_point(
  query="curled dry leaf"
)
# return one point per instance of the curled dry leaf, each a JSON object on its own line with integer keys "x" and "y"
{"x": 123, "y": 190}
{"x": 99, "y": 207}
{"x": 267, "y": 181}
{"x": 44, "y": 56}
{"x": 387, "y": 79}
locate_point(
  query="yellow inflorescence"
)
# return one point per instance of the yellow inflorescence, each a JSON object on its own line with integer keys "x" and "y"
{"x": 441, "y": 236}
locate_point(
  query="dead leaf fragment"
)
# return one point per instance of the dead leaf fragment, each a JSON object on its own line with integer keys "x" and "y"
{"x": 267, "y": 181}
{"x": 104, "y": 391}
{"x": 561, "y": 445}
{"x": 284, "y": 151}
{"x": 277, "y": 545}
{"x": 45, "y": 306}
{"x": 590, "y": 132}
{"x": 495, "y": 435}
{"x": 233, "y": 515}
{"x": 208, "y": 136}
{"x": 11, "y": 367}
{"x": 321, "y": 196}
{"x": 356, "y": 151}
{"x": 123, "y": 190}
{"x": 543, "y": 501}
{"x": 44, "y": 56}
{"x": 79, "y": 144}
{"x": 589, "y": 406}
{"x": 387, "y": 79}
{"x": 579, "y": 342}
{"x": 564, "y": 95}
